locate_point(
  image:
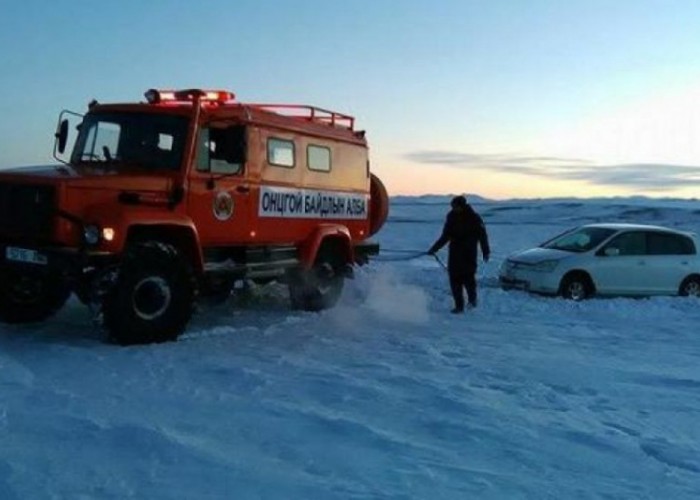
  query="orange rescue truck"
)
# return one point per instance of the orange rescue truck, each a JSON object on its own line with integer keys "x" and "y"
{"x": 182, "y": 196}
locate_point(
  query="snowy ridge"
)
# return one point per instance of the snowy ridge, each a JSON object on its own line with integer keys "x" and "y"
{"x": 385, "y": 396}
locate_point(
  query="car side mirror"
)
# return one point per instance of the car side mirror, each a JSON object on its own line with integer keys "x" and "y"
{"x": 611, "y": 252}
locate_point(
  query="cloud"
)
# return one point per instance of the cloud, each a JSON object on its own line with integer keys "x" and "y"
{"x": 647, "y": 176}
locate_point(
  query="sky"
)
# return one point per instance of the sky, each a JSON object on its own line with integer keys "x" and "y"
{"x": 505, "y": 99}
{"x": 385, "y": 396}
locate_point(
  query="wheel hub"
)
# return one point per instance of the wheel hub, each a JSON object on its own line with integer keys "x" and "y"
{"x": 26, "y": 290}
{"x": 151, "y": 297}
{"x": 692, "y": 289}
{"x": 577, "y": 290}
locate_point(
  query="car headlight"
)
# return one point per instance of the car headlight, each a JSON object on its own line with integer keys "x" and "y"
{"x": 545, "y": 266}
{"x": 91, "y": 234}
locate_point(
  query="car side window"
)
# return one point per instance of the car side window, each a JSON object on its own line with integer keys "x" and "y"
{"x": 631, "y": 243}
{"x": 670, "y": 244}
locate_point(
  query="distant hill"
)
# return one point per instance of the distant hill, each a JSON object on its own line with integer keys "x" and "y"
{"x": 437, "y": 199}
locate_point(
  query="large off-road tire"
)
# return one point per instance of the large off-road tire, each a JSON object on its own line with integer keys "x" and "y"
{"x": 153, "y": 297}
{"x": 690, "y": 287}
{"x": 320, "y": 287}
{"x": 576, "y": 286}
{"x": 29, "y": 296}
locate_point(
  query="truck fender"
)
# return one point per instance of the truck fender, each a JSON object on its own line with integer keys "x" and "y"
{"x": 309, "y": 249}
{"x": 182, "y": 236}
{"x": 145, "y": 223}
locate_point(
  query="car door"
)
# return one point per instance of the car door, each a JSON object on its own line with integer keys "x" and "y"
{"x": 220, "y": 193}
{"x": 668, "y": 260}
{"x": 621, "y": 265}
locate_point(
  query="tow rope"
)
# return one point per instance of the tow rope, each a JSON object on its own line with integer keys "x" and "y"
{"x": 412, "y": 254}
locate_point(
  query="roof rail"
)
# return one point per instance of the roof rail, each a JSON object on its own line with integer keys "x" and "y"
{"x": 309, "y": 114}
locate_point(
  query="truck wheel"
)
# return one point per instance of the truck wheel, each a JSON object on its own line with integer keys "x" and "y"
{"x": 316, "y": 289}
{"x": 153, "y": 297}
{"x": 28, "y": 297}
{"x": 321, "y": 286}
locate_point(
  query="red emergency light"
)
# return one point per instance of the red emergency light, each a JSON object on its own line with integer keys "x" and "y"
{"x": 155, "y": 96}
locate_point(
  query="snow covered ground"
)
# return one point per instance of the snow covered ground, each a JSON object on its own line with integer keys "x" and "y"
{"x": 386, "y": 396}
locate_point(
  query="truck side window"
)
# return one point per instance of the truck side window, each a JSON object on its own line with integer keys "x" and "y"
{"x": 222, "y": 150}
{"x": 280, "y": 152}
{"x": 318, "y": 158}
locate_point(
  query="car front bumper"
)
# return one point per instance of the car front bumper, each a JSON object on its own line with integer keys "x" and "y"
{"x": 536, "y": 282}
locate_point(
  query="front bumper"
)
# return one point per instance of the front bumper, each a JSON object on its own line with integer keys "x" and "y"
{"x": 513, "y": 283}
{"x": 536, "y": 282}
{"x": 65, "y": 261}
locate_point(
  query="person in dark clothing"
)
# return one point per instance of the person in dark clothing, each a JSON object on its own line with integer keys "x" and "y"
{"x": 464, "y": 230}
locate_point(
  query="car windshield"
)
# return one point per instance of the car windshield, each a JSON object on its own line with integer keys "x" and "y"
{"x": 143, "y": 140}
{"x": 579, "y": 240}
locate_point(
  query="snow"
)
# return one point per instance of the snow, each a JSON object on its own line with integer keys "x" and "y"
{"x": 386, "y": 396}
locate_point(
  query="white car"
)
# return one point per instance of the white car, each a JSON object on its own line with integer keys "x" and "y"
{"x": 608, "y": 259}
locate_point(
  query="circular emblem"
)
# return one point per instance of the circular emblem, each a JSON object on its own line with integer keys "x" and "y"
{"x": 223, "y": 205}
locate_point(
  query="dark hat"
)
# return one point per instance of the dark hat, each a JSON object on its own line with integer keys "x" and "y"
{"x": 458, "y": 201}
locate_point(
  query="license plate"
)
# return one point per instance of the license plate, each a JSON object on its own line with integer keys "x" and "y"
{"x": 25, "y": 255}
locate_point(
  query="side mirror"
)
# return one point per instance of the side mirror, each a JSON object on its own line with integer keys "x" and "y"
{"x": 65, "y": 119}
{"x": 62, "y": 136}
{"x": 611, "y": 252}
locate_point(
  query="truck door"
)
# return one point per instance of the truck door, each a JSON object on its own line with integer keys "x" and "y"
{"x": 219, "y": 194}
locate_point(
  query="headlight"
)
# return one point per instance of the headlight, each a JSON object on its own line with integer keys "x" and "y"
{"x": 91, "y": 234}
{"x": 546, "y": 266}
{"x": 108, "y": 233}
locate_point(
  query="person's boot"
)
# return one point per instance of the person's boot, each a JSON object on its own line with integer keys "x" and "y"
{"x": 457, "y": 310}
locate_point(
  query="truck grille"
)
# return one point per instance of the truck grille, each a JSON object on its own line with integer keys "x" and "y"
{"x": 27, "y": 210}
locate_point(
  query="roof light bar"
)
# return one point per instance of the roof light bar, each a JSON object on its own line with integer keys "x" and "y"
{"x": 155, "y": 96}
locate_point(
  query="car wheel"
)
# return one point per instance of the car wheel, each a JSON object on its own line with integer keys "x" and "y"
{"x": 690, "y": 287}
{"x": 576, "y": 287}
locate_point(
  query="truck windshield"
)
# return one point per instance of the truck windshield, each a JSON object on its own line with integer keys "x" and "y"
{"x": 143, "y": 140}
